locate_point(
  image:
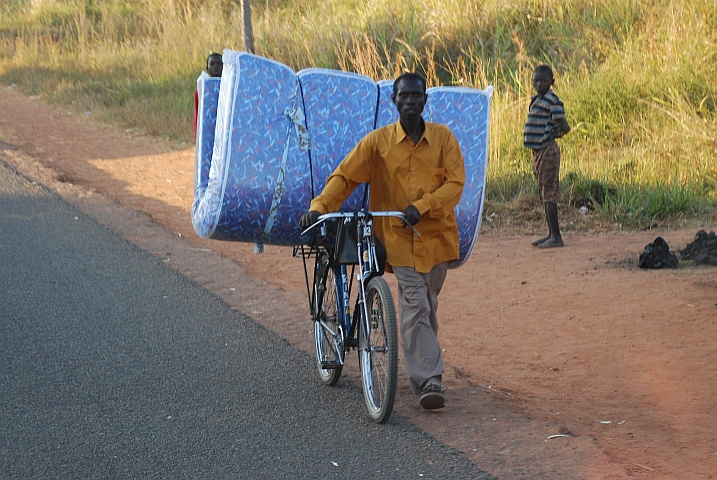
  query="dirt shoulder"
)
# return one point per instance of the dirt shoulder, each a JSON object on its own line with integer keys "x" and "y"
{"x": 561, "y": 363}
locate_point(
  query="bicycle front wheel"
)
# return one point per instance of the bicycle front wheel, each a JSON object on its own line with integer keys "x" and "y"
{"x": 328, "y": 330}
{"x": 378, "y": 350}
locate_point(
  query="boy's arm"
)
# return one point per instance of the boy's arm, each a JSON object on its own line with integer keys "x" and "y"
{"x": 562, "y": 127}
{"x": 557, "y": 113}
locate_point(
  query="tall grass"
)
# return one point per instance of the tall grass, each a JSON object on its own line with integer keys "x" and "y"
{"x": 636, "y": 76}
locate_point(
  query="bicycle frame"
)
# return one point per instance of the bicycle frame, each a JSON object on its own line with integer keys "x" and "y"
{"x": 368, "y": 266}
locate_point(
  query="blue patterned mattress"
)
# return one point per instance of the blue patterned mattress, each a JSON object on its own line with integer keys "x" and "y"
{"x": 268, "y": 138}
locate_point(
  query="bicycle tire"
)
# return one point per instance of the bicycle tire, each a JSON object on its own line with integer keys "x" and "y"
{"x": 378, "y": 350}
{"x": 328, "y": 332}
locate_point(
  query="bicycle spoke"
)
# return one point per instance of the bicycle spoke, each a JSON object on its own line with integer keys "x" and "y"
{"x": 379, "y": 355}
{"x": 328, "y": 330}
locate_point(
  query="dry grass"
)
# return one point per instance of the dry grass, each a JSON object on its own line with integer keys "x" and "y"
{"x": 636, "y": 76}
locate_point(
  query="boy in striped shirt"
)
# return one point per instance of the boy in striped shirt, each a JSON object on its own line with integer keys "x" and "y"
{"x": 546, "y": 122}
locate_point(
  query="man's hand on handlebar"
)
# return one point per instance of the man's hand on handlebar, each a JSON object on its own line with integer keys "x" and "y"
{"x": 412, "y": 215}
{"x": 308, "y": 219}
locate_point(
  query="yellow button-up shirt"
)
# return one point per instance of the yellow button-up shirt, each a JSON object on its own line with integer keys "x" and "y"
{"x": 428, "y": 175}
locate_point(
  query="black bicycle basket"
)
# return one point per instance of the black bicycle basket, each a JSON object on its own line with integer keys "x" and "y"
{"x": 345, "y": 251}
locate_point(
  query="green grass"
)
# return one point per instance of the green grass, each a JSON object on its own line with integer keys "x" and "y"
{"x": 636, "y": 77}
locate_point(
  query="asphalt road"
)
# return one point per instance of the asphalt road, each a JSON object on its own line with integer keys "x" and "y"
{"x": 114, "y": 366}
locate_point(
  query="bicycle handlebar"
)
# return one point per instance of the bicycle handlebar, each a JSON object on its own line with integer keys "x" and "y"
{"x": 327, "y": 216}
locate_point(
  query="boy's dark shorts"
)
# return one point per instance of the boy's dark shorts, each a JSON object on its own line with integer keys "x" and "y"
{"x": 546, "y": 168}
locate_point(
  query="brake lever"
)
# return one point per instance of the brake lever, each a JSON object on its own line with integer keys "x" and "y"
{"x": 405, "y": 223}
{"x": 312, "y": 226}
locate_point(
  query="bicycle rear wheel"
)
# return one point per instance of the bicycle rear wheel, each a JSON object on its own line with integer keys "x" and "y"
{"x": 378, "y": 350}
{"x": 328, "y": 329}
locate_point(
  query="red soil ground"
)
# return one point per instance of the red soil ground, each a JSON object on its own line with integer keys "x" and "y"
{"x": 620, "y": 363}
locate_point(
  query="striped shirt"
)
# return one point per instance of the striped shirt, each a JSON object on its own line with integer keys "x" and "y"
{"x": 543, "y": 115}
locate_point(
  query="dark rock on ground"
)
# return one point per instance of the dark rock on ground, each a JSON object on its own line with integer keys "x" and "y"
{"x": 657, "y": 255}
{"x": 702, "y": 250}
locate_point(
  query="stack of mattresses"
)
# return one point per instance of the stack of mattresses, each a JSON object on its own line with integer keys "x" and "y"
{"x": 268, "y": 138}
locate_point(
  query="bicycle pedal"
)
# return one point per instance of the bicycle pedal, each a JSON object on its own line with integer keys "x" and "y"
{"x": 329, "y": 365}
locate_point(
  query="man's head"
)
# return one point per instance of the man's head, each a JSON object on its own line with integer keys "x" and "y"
{"x": 409, "y": 96}
{"x": 215, "y": 65}
{"x": 543, "y": 79}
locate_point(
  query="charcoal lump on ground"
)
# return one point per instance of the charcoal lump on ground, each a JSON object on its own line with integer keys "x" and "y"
{"x": 657, "y": 255}
{"x": 702, "y": 250}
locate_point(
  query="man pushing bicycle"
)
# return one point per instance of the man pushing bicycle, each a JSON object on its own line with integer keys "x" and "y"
{"x": 415, "y": 167}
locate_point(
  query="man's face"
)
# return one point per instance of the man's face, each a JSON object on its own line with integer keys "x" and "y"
{"x": 410, "y": 98}
{"x": 214, "y": 66}
{"x": 542, "y": 81}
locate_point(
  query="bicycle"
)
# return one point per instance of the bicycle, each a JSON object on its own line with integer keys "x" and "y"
{"x": 342, "y": 239}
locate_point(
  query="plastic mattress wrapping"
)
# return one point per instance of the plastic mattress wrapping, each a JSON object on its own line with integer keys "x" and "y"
{"x": 269, "y": 137}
